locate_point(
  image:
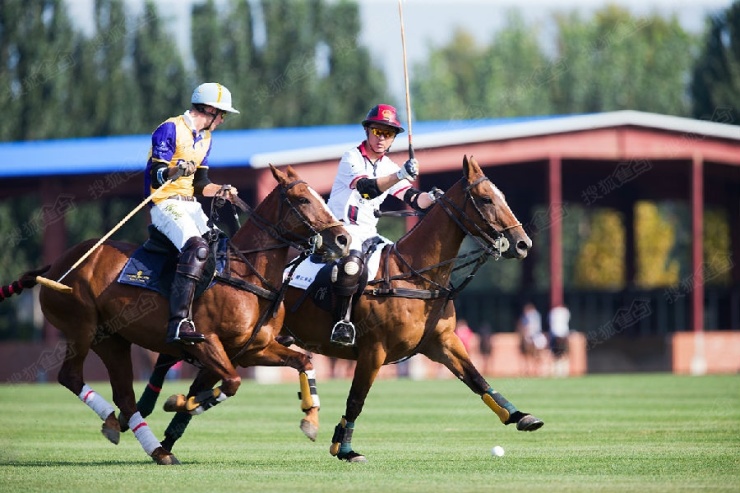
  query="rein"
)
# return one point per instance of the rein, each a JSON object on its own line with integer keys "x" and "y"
{"x": 271, "y": 293}
{"x": 488, "y": 247}
{"x": 491, "y": 247}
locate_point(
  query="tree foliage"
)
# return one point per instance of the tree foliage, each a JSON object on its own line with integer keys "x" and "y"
{"x": 618, "y": 61}
{"x": 611, "y": 61}
{"x": 717, "y": 248}
{"x": 716, "y": 76}
{"x": 464, "y": 81}
{"x": 655, "y": 238}
{"x": 600, "y": 263}
{"x": 36, "y": 41}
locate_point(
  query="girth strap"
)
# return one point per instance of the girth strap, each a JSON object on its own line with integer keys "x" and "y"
{"x": 245, "y": 286}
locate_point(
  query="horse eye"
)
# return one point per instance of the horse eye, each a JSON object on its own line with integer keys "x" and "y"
{"x": 303, "y": 200}
{"x": 486, "y": 200}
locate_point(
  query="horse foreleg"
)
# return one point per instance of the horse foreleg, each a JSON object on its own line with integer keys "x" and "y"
{"x": 451, "y": 352}
{"x": 201, "y": 396}
{"x": 275, "y": 354}
{"x": 368, "y": 365}
{"x": 216, "y": 364}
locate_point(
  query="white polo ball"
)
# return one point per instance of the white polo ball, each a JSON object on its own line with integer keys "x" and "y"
{"x": 497, "y": 451}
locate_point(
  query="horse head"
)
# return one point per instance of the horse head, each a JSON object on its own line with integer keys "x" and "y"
{"x": 304, "y": 217}
{"x": 487, "y": 216}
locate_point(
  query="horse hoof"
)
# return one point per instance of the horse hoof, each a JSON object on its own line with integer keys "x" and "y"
{"x": 352, "y": 456}
{"x": 529, "y": 423}
{"x": 113, "y": 436}
{"x": 164, "y": 458}
{"x": 111, "y": 429}
{"x": 175, "y": 403}
{"x": 309, "y": 429}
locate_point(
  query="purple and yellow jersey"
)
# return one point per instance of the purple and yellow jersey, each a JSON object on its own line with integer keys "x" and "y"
{"x": 175, "y": 141}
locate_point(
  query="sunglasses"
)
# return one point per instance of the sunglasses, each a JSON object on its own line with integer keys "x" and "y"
{"x": 216, "y": 113}
{"x": 379, "y": 132}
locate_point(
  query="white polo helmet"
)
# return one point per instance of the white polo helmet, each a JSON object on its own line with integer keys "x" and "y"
{"x": 213, "y": 94}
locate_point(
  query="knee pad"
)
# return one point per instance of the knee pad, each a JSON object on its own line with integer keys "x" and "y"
{"x": 193, "y": 257}
{"x": 348, "y": 272}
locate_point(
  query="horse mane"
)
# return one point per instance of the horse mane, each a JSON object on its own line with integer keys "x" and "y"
{"x": 432, "y": 212}
{"x": 250, "y": 224}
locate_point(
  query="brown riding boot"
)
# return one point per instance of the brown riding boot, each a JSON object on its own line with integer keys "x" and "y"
{"x": 190, "y": 267}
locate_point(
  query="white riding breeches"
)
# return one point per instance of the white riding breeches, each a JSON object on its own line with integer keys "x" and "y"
{"x": 179, "y": 220}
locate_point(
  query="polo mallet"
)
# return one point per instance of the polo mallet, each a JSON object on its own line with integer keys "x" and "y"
{"x": 406, "y": 79}
{"x": 57, "y": 285}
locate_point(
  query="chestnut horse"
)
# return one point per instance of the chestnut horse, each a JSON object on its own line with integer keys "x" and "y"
{"x": 107, "y": 317}
{"x": 408, "y": 309}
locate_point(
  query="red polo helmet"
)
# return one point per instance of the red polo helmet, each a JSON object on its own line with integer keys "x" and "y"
{"x": 383, "y": 114}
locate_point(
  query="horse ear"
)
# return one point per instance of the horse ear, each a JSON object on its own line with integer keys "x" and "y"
{"x": 471, "y": 169}
{"x": 279, "y": 175}
{"x": 291, "y": 172}
{"x": 466, "y": 168}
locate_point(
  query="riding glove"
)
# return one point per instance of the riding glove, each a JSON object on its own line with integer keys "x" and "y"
{"x": 410, "y": 170}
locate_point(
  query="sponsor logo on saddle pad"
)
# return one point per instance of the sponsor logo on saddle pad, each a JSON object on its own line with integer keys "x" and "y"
{"x": 138, "y": 278}
{"x": 306, "y": 272}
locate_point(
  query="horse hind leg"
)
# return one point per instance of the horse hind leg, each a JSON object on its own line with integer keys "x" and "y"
{"x": 451, "y": 353}
{"x": 71, "y": 377}
{"x": 115, "y": 353}
{"x": 366, "y": 370}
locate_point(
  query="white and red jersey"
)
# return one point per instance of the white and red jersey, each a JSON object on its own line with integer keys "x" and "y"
{"x": 358, "y": 213}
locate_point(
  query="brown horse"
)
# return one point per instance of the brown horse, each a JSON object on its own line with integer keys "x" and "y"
{"x": 407, "y": 309}
{"x": 107, "y": 317}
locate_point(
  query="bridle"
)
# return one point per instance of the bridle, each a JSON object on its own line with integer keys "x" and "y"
{"x": 285, "y": 236}
{"x": 492, "y": 245}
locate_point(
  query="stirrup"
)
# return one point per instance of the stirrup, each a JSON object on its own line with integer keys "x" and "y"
{"x": 343, "y": 334}
{"x": 187, "y": 336}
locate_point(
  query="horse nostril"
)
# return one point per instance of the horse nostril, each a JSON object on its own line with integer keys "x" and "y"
{"x": 342, "y": 241}
{"x": 522, "y": 246}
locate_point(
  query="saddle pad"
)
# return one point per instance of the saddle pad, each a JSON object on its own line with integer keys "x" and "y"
{"x": 307, "y": 270}
{"x": 156, "y": 271}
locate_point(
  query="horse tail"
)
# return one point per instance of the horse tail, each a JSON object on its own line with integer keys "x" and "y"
{"x": 26, "y": 281}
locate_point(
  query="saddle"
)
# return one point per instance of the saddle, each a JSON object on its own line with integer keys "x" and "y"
{"x": 321, "y": 290}
{"x": 152, "y": 266}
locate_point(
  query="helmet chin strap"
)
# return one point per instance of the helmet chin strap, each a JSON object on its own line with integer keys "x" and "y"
{"x": 213, "y": 119}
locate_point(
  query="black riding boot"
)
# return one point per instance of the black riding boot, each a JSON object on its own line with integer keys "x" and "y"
{"x": 348, "y": 273}
{"x": 190, "y": 267}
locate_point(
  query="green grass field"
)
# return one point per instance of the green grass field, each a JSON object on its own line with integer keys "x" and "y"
{"x": 602, "y": 433}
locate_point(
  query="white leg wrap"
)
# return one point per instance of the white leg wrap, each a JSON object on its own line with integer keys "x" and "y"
{"x": 311, "y": 374}
{"x": 101, "y": 407}
{"x": 143, "y": 433}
